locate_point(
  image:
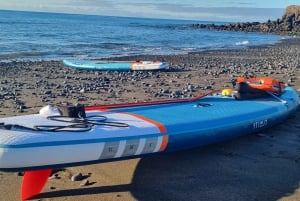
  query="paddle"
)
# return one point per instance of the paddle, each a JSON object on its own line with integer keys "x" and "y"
{"x": 33, "y": 182}
{"x": 148, "y": 103}
{"x": 112, "y": 61}
{"x": 115, "y": 61}
{"x": 276, "y": 97}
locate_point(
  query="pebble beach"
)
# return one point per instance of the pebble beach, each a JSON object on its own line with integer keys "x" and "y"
{"x": 264, "y": 166}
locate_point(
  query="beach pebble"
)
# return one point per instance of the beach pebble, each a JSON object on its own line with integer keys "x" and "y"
{"x": 47, "y": 92}
{"x": 53, "y": 176}
{"x": 165, "y": 91}
{"x": 20, "y": 174}
{"x": 190, "y": 87}
{"x": 85, "y": 182}
{"x": 4, "y": 82}
{"x": 208, "y": 87}
{"x": 20, "y": 108}
{"x": 83, "y": 90}
{"x": 176, "y": 94}
{"x": 77, "y": 177}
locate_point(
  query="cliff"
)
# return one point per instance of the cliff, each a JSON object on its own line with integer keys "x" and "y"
{"x": 288, "y": 24}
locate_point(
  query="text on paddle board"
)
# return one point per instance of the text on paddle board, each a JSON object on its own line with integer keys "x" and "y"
{"x": 260, "y": 124}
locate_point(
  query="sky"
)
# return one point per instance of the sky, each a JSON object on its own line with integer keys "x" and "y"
{"x": 202, "y": 10}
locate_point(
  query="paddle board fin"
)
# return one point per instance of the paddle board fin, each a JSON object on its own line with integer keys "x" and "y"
{"x": 33, "y": 183}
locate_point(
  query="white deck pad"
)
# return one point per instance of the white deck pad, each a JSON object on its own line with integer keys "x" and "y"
{"x": 54, "y": 148}
{"x": 136, "y": 127}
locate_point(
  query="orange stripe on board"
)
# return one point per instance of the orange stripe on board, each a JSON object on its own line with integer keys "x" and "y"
{"x": 164, "y": 143}
{"x": 159, "y": 125}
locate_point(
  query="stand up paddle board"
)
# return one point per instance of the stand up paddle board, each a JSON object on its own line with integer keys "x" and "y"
{"x": 39, "y": 142}
{"x": 115, "y": 65}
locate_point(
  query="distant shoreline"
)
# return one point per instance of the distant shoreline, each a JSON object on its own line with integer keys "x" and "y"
{"x": 288, "y": 24}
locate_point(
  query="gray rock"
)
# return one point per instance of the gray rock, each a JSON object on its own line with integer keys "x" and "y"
{"x": 85, "y": 182}
{"x": 77, "y": 177}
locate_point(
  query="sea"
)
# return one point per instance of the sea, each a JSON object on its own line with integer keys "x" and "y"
{"x": 34, "y": 36}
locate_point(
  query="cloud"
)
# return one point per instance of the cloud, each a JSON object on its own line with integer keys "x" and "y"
{"x": 190, "y": 11}
{"x": 216, "y": 10}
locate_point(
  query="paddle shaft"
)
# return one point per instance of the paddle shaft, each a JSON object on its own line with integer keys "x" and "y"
{"x": 112, "y": 61}
{"x": 148, "y": 103}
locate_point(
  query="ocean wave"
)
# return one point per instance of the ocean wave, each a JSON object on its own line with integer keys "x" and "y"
{"x": 19, "y": 54}
{"x": 244, "y": 42}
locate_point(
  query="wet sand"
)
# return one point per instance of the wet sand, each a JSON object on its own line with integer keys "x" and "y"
{"x": 264, "y": 166}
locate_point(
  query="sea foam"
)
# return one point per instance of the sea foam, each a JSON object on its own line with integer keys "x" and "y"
{"x": 244, "y": 42}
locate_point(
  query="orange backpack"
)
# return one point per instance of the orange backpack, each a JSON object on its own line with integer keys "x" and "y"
{"x": 263, "y": 83}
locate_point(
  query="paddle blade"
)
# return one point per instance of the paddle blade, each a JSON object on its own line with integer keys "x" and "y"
{"x": 33, "y": 182}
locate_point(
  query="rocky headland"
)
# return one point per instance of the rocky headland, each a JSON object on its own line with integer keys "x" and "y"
{"x": 288, "y": 24}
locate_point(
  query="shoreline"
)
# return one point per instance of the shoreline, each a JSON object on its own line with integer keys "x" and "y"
{"x": 256, "y": 167}
{"x": 30, "y": 85}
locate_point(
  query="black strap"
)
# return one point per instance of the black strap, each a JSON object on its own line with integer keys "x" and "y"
{"x": 77, "y": 124}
